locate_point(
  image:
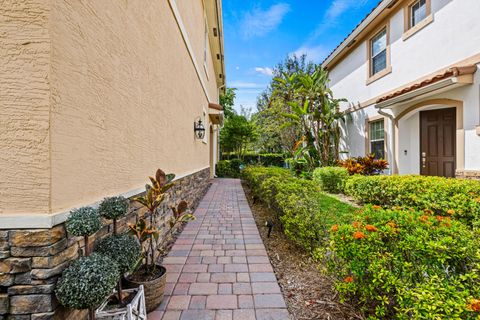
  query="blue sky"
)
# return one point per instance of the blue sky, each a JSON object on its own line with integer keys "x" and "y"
{"x": 259, "y": 34}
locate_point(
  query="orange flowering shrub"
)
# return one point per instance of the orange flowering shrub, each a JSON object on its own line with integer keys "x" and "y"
{"x": 356, "y": 224}
{"x": 474, "y": 305}
{"x": 413, "y": 263}
{"x": 359, "y": 235}
{"x": 404, "y": 266}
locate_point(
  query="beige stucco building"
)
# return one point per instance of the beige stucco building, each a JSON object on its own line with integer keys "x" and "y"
{"x": 94, "y": 97}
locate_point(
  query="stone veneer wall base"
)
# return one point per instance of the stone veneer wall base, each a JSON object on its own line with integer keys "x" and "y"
{"x": 468, "y": 174}
{"x": 32, "y": 260}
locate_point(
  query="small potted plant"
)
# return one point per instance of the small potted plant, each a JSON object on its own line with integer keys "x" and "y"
{"x": 154, "y": 239}
{"x": 125, "y": 251}
{"x": 113, "y": 208}
{"x": 86, "y": 282}
{"x": 83, "y": 222}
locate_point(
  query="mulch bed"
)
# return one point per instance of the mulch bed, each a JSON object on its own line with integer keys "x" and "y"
{"x": 308, "y": 293}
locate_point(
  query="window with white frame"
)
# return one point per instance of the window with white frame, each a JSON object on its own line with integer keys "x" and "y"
{"x": 376, "y": 135}
{"x": 378, "y": 52}
{"x": 418, "y": 12}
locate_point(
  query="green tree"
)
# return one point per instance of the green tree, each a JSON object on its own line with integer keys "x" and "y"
{"x": 276, "y": 132}
{"x": 238, "y": 131}
{"x": 227, "y": 101}
{"x": 237, "y": 134}
{"x": 316, "y": 110}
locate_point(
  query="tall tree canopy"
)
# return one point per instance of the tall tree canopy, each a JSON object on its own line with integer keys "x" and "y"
{"x": 298, "y": 114}
{"x": 238, "y": 131}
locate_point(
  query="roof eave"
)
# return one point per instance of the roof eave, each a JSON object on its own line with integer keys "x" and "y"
{"x": 348, "y": 42}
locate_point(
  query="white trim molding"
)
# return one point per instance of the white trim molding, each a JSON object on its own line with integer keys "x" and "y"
{"x": 49, "y": 220}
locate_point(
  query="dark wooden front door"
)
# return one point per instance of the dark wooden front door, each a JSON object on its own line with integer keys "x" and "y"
{"x": 437, "y": 142}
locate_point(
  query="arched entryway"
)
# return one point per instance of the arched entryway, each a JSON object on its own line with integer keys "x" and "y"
{"x": 430, "y": 138}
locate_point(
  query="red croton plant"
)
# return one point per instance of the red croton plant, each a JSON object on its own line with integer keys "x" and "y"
{"x": 146, "y": 230}
{"x": 366, "y": 166}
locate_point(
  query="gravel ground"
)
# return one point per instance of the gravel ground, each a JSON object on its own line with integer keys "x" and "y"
{"x": 308, "y": 293}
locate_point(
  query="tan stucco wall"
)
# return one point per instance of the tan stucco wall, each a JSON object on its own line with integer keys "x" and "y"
{"x": 194, "y": 20}
{"x": 123, "y": 94}
{"x": 24, "y": 106}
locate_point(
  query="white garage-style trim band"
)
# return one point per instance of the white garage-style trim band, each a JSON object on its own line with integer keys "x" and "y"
{"x": 49, "y": 220}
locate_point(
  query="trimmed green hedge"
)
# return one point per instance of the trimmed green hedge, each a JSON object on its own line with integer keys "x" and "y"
{"x": 331, "y": 179}
{"x": 228, "y": 168}
{"x": 394, "y": 264}
{"x": 449, "y": 197}
{"x": 402, "y": 264}
{"x": 264, "y": 159}
{"x": 304, "y": 210}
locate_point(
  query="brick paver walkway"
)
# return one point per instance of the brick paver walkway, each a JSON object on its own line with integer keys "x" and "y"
{"x": 218, "y": 268}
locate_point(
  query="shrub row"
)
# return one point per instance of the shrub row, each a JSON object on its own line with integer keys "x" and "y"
{"x": 228, "y": 168}
{"x": 448, "y": 197}
{"x": 394, "y": 263}
{"x": 331, "y": 179}
{"x": 401, "y": 264}
{"x": 304, "y": 210}
{"x": 231, "y": 168}
{"x": 265, "y": 159}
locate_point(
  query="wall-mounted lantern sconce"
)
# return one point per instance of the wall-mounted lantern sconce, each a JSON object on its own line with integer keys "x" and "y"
{"x": 199, "y": 129}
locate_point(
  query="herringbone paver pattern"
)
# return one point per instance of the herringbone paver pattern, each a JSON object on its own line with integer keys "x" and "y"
{"x": 218, "y": 268}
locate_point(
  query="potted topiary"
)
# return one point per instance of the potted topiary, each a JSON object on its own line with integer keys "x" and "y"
{"x": 125, "y": 251}
{"x": 113, "y": 208}
{"x": 86, "y": 282}
{"x": 88, "y": 274}
{"x": 150, "y": 274}
{"x": 83, "y": 222}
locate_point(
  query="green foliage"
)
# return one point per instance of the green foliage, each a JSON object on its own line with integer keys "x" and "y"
{"x": 253, "y": 158}
{"x": 366, "y": 166}
{"x": 305, "y": 212}
{"x": 449, "y": 197}
{"x": 276, "y": 132}
{"x": 237, "y": 134}
{"x": 393, "y": 264}
{"x": 144, "y": 230}
{"x": 331, "y": 179}
{"x": 83, "y": 222}
{"x": 87, "y": 282}
{"x": 264, "y": 159}
{"x": 316, "y": 111}
{"x": 228, "y": 168}
{"x": 404, "y": 264}
{"x": 121, "y": 248}
{"x": 227, "y": 101}
{"x": 113, "y": 207}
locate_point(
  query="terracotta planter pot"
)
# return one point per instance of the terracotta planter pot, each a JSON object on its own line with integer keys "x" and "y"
{"x": 154, "y": 289}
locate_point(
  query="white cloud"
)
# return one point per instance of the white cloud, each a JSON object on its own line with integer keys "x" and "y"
{"x": 258, "y": 22}
{"x": 245, "y": 85}
{"x": 334, "y": 12}
{"x": 265, "y": 71}
{"x": 313, "y": 53}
